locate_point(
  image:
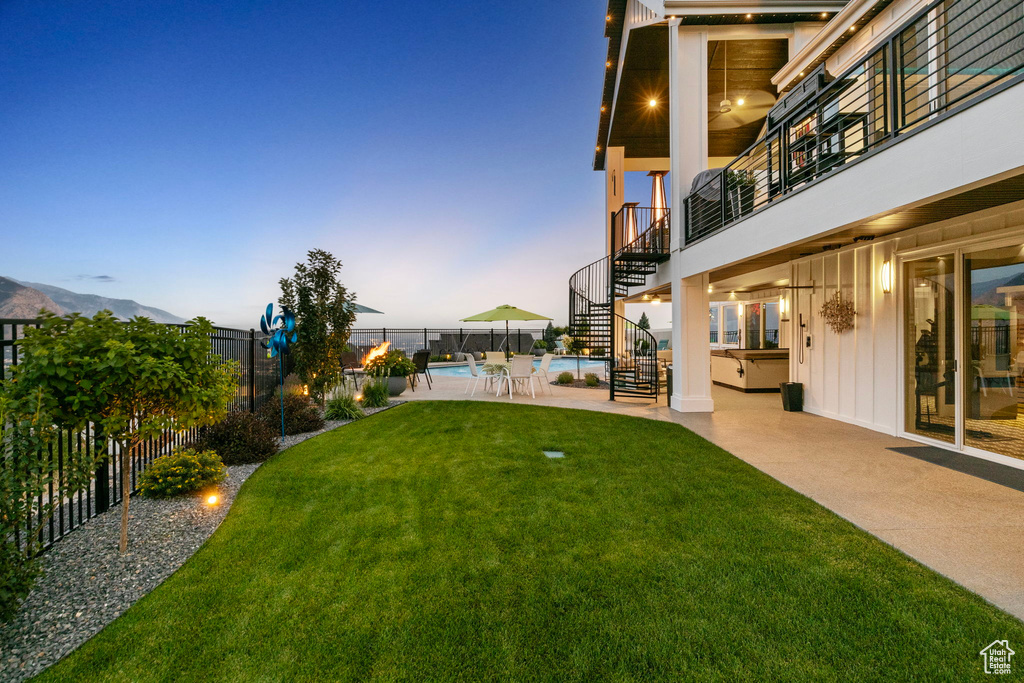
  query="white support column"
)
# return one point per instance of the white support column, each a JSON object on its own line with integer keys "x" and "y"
{"x": 688, "y": 142}
{"x": 691, "y": 349}
{"x": 688, "y": 126}
{"x": 615, "y": 188}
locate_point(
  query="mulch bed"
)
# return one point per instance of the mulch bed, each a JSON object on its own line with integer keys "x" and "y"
{"x": 582, "y": 384}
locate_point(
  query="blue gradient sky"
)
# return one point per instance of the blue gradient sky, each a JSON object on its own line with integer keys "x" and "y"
{"x": 193, "y": 151}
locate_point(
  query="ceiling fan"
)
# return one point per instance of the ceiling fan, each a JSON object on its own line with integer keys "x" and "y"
{"x": 751, "y": 107}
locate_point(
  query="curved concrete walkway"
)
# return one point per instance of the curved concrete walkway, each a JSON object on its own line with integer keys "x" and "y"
{"x": 962, "y": 526}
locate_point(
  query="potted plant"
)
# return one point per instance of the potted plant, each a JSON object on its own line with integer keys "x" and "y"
{"x": 394, "y": 366}
{"x": 540, "y": 347}
{"x": 739, "y": 193}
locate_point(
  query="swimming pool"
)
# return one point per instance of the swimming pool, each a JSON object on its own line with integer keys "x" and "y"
{"x": 557, "y": 365}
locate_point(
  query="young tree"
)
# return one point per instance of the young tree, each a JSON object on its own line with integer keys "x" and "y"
{"x": 550, "y": 337}
{"x": 645, "y": 323}
{"x": 575, "y": 346}
{"x": 34, "y": 479}
{"x": 132, "y": 380}
{"x": 324, "y": 312}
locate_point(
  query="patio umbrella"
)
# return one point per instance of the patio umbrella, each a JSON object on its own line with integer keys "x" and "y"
{"x": 366, "y": 309}
{"x": 506, "y": 313}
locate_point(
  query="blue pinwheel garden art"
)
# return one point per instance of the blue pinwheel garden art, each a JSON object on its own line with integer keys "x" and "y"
{"x": 280, "y": 331}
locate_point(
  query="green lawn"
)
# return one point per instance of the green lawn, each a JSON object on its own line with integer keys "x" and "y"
{"x": 434, "y": 541}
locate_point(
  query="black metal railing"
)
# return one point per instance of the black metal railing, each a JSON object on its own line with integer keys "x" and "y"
{"x": 446, "y": 343}
{"x": 640, "y": 230}
{"x": 641, "y": 239}
{"x": 948, "y": 56}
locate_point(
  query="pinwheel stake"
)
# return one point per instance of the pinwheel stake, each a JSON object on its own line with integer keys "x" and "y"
{"x": 277, "y": 342}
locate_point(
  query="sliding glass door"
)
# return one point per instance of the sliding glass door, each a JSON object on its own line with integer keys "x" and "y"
{"x": 963, "y": 332}
{"x": 929, "y": 305}
{"x": 993, "y": 354}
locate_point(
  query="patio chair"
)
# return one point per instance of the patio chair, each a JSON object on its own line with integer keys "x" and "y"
{"x": 350, "y": 366}
{"x": 542, "y": 371}
{"x": 520, "y": 372}
{"x": 494, "y": 357}
{"x": 560, "y": 348}
{"x": 421, "y": 359}
{"x": 475, "y": 376}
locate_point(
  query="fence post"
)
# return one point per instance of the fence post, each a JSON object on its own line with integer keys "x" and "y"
{"x": 384, "y": 333}
{"x": 426, "y": 345}
{"x": 252, "y": 370}
{"x": 102, "y": 473}
{"x": 492, "y": 339}
{"x": 519, "y": 340}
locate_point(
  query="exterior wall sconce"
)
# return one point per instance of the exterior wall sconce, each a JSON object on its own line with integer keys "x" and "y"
{"x": 887, "y": 278}
{"x": 784, "y": 308}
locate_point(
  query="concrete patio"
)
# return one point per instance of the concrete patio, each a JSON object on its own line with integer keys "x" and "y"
{"x": 960, "y": 525}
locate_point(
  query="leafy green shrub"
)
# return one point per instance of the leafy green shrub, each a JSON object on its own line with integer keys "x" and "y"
{"x": 344, "y": 407}
{"x": 591, "y": 379}
{"x": 565, "y": 378}
{"x": 17, "y": 574}
{"x": 239, "y": 438}
{"x": 375, "y": 393}
{"x": 182, "y": 472}
{"x": 300, "y": 414}
{"x": 391, "y": 364}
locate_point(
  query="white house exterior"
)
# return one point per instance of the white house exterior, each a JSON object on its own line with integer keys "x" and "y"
{"x": 872, "y": 150}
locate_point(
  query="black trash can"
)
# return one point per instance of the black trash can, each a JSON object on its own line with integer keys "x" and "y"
{"x": 792, "y": 396}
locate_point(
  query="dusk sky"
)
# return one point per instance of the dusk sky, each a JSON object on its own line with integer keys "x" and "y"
{"x": 187, "y": 154}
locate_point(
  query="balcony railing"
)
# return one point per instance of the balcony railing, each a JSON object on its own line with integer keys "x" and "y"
{"x": 948, "y": 56}
{"x": 640, "y": 230}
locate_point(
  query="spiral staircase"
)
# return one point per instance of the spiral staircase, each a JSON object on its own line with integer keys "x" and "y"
{"x": 630, "y": 351}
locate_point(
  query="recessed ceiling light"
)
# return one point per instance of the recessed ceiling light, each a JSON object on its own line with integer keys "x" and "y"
{"x": 739, "y": 102}
{"x": 653, "y": 103}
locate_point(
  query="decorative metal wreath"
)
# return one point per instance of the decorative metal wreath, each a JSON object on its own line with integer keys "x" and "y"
{"x": 838, "y": 313}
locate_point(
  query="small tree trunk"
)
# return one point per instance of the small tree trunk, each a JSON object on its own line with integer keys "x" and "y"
{"x": 126, "y": 479}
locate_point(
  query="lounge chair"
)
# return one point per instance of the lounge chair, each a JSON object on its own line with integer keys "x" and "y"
{"x": 542, "y": 371}
{"x": 517, "y": 375}
{"x": 421, "y": 359}
{"x": 475, "y": 376}
{"x": 560, "y": 348}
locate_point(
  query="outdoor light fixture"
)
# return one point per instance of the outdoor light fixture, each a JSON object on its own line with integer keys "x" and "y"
{"x": 603, "y": 108}
{"x": 710, "y": 289}
{"x": 653, "y": 103}
{"x": 212, "y": 499}
{"x": 359, "y": 397}
{"x": 726, "y": 106}
{"x": 607, "y": 64}
{"x": 824, "y": 15}
{"x": 750, "y": 16}
{"x": 646, "y": 297}
{"x": 608, "y": 17}
{"x": 739, "y": 102}
{"x": 887, "y": 276}
{"x": 656, "y": 300}
{"x": 784, "y": 309}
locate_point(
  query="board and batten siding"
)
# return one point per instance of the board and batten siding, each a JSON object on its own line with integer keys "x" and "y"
{"x": 855, "y": 376}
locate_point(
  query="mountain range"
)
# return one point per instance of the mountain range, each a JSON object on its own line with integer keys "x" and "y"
{"x": 25, "y": 299}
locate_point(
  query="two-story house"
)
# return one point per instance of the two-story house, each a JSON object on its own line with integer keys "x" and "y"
{"x": 844, "y": 210}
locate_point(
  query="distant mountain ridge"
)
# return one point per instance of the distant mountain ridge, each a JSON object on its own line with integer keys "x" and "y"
{"x": 24, "y": 299}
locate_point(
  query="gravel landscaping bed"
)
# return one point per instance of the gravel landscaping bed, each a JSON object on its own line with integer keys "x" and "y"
{"x": 86, "y": 583}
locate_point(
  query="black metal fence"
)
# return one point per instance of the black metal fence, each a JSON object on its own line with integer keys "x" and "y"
{"x": 257, "y": 378}
{"x": 950, "y": 55}
{"x": 446, "y": 343}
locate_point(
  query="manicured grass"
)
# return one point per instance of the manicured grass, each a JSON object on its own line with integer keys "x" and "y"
{"x": 435, "y": 542}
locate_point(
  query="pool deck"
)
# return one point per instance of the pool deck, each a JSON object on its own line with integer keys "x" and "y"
{"x": 962, "y": 526}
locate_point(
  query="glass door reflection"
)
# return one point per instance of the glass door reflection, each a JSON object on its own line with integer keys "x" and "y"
{"x": 994, "y": 350}
{"x": 930, "y": 351}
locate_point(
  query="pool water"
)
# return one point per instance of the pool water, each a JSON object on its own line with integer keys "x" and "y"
{"x": 557, "y": 365}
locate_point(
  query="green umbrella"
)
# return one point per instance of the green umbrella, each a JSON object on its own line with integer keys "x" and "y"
{"x": 506, "y": 313}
